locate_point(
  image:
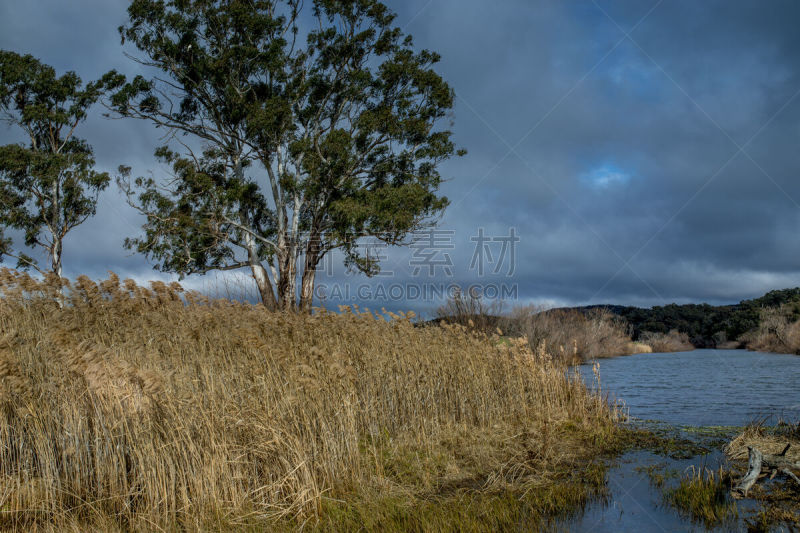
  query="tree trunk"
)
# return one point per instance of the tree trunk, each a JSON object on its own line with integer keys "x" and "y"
{"x": 259, "y": 273}
{"x": 55, "y": 268}
{"x": 54, "y": 225}
{"x": 287, "y": 282}
{"x": 310, "y": 272}
{"x": 264, "y": 286}
{"x": 55, "y": 257}
{"x": 307, "y": 290}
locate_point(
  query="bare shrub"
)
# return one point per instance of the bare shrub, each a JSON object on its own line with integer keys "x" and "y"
{"x": 469, "y": 309}
{"x": 674, "y": 341}
{"x": 778, "y": 331}
{"x": 570, "y": 334}
{"x": 640, "y": 347}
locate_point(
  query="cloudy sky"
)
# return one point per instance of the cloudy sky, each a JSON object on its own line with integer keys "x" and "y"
{"x": 642, "y": 152}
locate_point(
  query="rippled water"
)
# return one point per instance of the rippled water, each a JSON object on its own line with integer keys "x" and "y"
{"x": 699, "y": 388}
{"x": 704, "y": 387}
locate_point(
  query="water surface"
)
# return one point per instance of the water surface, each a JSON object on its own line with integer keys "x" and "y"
{"x": 683, "y": 390}
{"x": 704, "y": 387}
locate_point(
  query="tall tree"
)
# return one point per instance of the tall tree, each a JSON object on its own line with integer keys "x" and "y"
{"x": 48, "y": 184}
{"x": 294, "y": 133}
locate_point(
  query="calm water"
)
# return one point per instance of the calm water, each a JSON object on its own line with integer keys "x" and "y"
{"x": 699, "y": 388}
{"x": 704, "y": 387}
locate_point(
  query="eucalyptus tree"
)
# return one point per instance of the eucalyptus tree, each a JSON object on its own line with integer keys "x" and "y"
{"x": 292, "y": 132}
{"x": 48, "y": 184}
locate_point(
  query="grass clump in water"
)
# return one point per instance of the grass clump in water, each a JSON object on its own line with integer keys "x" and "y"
{"x": 658, "y": 474}
{"x": 703, "y": 496}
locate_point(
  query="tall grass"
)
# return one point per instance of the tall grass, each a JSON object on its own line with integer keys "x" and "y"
{"x": 123, "y": 407}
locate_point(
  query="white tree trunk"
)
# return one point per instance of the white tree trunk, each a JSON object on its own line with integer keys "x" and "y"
{"x": 259, "y": 273}
{"x": 55, "y": 259}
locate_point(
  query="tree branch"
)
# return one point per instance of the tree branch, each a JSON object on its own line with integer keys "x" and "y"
{"x": 29, "y": 262}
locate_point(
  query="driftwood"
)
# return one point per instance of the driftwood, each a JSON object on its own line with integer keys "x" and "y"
{"x": 759, "y": 463}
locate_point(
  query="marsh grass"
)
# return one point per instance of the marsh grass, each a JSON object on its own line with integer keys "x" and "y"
{"x": 703, "y": 495}
{"x": 132, "y": 408}
{"x": 658, "y": 474}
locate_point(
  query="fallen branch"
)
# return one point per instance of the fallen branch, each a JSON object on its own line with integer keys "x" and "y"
{"x": 760, "y": 462}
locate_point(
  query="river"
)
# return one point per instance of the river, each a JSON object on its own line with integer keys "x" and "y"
{"x": 683, "y": 390}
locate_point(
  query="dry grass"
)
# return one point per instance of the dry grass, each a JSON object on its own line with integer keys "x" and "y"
{"x": 126, "y": 408}
{"x": 639, "y": 347}
{"x": 766, "y": 440}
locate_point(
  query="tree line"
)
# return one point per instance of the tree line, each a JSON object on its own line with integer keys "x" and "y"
{"x": 707, "y": 326}
{"x": 291, "y": 132}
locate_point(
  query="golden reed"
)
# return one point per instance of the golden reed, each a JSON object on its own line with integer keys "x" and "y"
{"x": 129, "y": 408}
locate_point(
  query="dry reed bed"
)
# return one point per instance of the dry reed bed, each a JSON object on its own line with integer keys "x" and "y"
{"x": 135, "y": 408}
{"x": 771, "y": 442}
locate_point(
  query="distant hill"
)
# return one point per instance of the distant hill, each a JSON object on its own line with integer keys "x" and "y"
{"x": 707, "y": 325}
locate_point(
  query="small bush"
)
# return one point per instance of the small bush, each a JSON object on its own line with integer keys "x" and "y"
{"x": 467, "y": 308}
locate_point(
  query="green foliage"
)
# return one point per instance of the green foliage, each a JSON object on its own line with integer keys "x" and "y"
{"x": 708, "y": 325}
{"x": 311, "y": 136}
{"x": 48, "y": 185}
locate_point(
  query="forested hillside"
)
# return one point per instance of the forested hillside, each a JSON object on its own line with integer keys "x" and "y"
{"x": 707, "y": 325}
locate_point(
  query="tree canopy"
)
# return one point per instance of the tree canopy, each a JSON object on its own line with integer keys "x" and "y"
{"x": 292, "y": 133}
{"x": 48, "y": 184}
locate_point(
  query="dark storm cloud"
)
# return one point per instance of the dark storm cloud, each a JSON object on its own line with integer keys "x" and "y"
{"x": 607, "y": 134}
